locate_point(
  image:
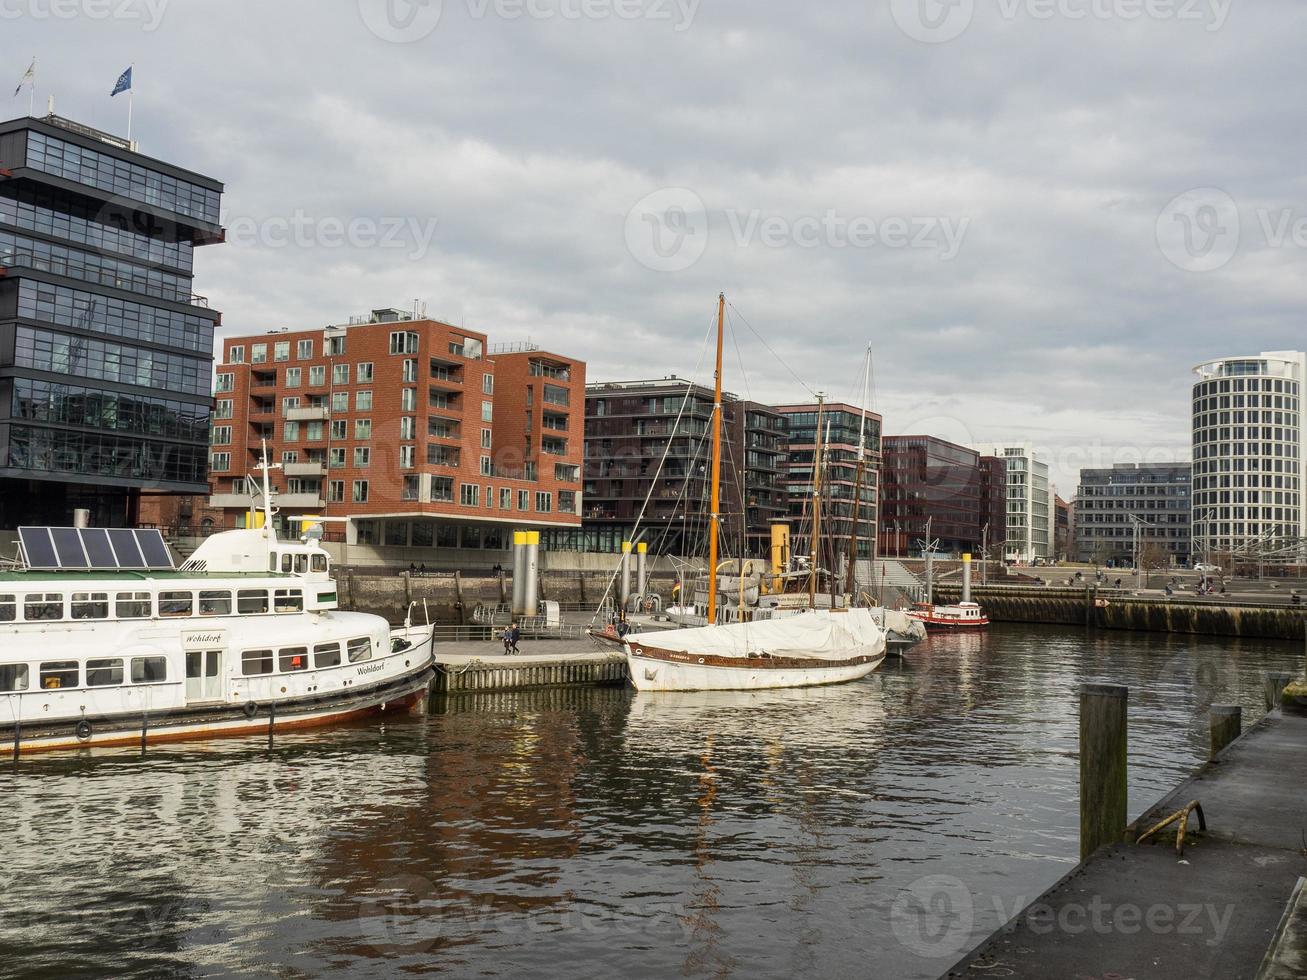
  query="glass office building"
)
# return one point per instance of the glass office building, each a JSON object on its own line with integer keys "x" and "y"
{"x": 105, "y": 351}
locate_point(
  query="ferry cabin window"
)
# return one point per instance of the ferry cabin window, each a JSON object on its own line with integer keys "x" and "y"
{"x": 149, "y": 670}
{"x": 8, "y": 608}
{"x": 287, "y": 561}
{"x": 103, "y": 673}
{"x": 59, "y": 673}
{"x": 13, "y": 677}
{"x": 256, "y": 662}
{"x": 175, "y": 603}
{"x": 288, "y": 600}
{"x": 39, "y": 606}
{"x": 132, "y": 605}
{"x": 251, "y": 601}
{"x": 90, "y": 605}
{"x": 292, "y": 658}
{"x": 213, "y": 603}
{"x": 326, "y": 655}
{"x": 319, "y": 563}
{"x": 301, "y": 564}
{"x": 360, "y": 650}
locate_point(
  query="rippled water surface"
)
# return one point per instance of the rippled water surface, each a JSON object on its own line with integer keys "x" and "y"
{"x": 596, "y": 832}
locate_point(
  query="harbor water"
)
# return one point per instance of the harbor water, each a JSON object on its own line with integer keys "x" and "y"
{"x": 873, "y": 829}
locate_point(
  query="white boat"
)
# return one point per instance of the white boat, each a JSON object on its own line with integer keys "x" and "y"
{"x": 817, "y": 646}
{"x": 103, "y": 642}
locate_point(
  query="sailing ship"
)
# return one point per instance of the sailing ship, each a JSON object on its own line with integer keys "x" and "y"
{"x": 104, "y": 642}
{"x": 806, "y": 648}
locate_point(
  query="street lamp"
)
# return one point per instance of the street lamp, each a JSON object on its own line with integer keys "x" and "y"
{"x": 1138, "y": 522}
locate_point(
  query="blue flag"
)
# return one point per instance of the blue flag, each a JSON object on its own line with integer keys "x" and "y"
{"x": 123, "y": 84}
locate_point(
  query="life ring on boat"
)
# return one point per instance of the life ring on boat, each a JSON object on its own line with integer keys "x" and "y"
{"x": 83, "y": 730}
{"x": 250, "y": 708}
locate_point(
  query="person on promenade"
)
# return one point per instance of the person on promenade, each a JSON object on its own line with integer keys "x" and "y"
{"x": 507, "y": 637}
{"x": 514, "y": 634}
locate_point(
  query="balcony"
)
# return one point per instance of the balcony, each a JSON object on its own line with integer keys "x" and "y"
{"x": 284, "y": 500}
{"x": 238, "y": 501}
{"x": 304, "y": 469}
{"x": 554, "y": 447}
{"x": 319, "y": 414}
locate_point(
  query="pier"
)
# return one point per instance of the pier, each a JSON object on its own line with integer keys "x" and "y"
{"x": 1229, "y": 905}
{"x": 477, "y": 665}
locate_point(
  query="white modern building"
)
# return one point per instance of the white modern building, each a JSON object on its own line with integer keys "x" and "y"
{"x": 1030, "y": 513}
{"x": 1248, "y": 454}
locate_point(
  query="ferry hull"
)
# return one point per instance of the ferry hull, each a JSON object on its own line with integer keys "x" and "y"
{"x": 406, "y": 694}
{"x": 652, "y": 670}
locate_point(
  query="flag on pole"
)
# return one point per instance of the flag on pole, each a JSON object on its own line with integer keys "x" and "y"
{"x": 29, "y": 77}
{"x": 124, "y": 83}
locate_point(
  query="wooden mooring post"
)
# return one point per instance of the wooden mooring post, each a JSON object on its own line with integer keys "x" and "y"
{"x": 1103, "y": 740}
{"x": 1273, "y": 685}
{"x": 1226, "y": 724}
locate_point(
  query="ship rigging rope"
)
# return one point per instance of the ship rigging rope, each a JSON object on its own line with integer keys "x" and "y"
{"x": 667, "y": 447}
{"x": 773, "y": 353}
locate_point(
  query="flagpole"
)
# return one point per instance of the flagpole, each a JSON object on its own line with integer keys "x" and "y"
{"x": 131, "y": 99}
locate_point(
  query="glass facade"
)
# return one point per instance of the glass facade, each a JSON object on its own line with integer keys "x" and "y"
{"x": 117, "y": 176}
{"x": 103, "y": 270}
{"x": 84, "y": 357}
{"x": 139, "y": 461}
{"x": 115, "y": 317}
{"x": 115, "y": 411}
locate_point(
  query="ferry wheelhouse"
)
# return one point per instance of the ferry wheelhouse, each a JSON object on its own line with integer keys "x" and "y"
{"x": 104, "y": 642}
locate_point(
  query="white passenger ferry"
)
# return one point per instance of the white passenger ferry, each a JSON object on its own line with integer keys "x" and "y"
{"x": 103, "y": 642}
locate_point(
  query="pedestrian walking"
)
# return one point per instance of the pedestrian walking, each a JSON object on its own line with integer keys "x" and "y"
{"x": 514, "y": 634}
{"x": 506, "y": 636}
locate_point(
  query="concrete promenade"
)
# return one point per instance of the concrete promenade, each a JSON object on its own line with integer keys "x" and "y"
{"x": 1140, "y": 911}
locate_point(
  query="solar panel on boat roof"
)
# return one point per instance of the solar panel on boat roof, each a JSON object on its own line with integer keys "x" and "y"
{"x": 38, "y": 549}
{"x": 94, "y": 548}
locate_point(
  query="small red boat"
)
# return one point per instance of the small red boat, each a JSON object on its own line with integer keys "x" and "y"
{"x": 962, "y": 616}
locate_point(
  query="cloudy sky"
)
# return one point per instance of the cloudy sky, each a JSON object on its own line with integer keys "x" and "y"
{"x": 1039, "y": 213}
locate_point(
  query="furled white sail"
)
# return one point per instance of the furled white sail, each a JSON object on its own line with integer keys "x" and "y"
{"x": 817, "y": 634}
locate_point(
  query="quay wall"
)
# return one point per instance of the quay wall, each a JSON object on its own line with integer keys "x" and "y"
{"x": 1075, "y": 607}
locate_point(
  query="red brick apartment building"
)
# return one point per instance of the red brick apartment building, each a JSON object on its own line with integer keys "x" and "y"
{"x": 413, "y": 430}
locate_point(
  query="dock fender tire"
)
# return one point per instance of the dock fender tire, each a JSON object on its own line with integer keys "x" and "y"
{"x": 251, "y": 708}
{"x": 83, "y": 730}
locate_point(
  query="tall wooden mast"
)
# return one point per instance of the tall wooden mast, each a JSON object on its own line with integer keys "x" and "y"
{"x": 816, "y": 506}
{"x": 857, "y": 480}
{"x": 715, "y": 501}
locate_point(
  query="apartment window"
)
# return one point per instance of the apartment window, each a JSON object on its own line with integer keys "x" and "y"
{"x": 220, "y": 462}
{"x": 490, "y": 497}
{"x": 303, "y": 350}
{"x": 317, "y": 376}
{"x": 362, "y": 428}
{"x": 335, "y": 491}
{"x": 289, "y": 402}
{"x": 362, "y": 457}
{"x": 407, "y": 427}
{"x": 340, "y": 374}
{"x": 360, "y": 491}
{"x": 225, "y": 382}
{"x": 407, "y": 457}
{"x": 544, "y": 501}
{"x": 220, "y": 435}
{"x": 259, "y": 354}
{"x": 290, "y": 431}
{"x": 485, "y": 439}
{"x": 281, "y": 350}
{"x": 340, "y": 401}
{"x": 293, "y": 377}
{"x": 363, "y": 373}
{"x": 340, "y": 429}
{"x": 524, "y": 500}
{"x": 408, "y": 400}
{"x": 334, "y": 346}
{"x": 488, "y": 384}
{"x": 486, "y": 468}
{"x": 442, "y": 488}
{"x": 412, "y": 484}
{"x": 336, "y": 458}
{"x": 411, "y": 369}
{"x": 505, "y": 498}
{"x": 404, "y": 342}
{"x": 222, "y": 408}
{"x": 290, "y": 456}
{"x": 487, "y": 411}
{"x": 469, "y": 494}
{"x": 237, "y": 354}
{"x": 313, "y": 432}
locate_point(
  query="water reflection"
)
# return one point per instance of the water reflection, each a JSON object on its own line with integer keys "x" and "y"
{"x": 596, "y": 831}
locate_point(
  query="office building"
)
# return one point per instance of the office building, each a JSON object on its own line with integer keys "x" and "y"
{"x": 411, "y": 431}
{"x": 842, "y": 431}
{"x": 106, "y": 353}
{"x": 925, "y": 480}
{"x": 1030, "y": 516}
{"x": 1111, "y": 502}
{"x": 648, "y": 450}
{"x": 1249, "y": 463}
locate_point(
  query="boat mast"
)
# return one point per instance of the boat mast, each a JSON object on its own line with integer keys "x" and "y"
{"x": 857, "y": 479}
{"x": 267, "y": 494}
{"x": 816, "y": 506}
{"x": 714, "y": 498}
